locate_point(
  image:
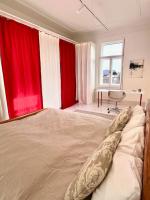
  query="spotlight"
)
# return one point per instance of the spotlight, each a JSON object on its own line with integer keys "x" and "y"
{"x": 80, "y": 9}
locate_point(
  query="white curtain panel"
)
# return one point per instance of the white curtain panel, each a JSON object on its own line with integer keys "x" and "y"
{"x": 3, "y": 103}
{"x": 85, "y": 59}
{"x": 50, "y": 70}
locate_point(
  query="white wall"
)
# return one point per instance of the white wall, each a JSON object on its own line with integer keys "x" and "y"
{"x": 137, "y": 46}
{"x": 137, "y": 43}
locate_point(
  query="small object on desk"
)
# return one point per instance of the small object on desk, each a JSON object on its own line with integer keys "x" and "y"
{"x": 139, "y": 90}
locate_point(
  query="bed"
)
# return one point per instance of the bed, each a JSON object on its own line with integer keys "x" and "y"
{"x": 37, "y": 165}
{"x": 43, "y": 152}
{"x": 146, "y": 167}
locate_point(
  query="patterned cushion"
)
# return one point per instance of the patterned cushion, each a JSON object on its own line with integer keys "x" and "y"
{"x": 94, "y": 170}
{"x": 120, "y": 121}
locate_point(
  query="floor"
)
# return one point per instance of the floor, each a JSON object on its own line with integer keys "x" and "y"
{"x": 93, "y": 108}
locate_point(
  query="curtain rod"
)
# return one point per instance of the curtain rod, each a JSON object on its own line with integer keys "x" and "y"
{"x": 39, "y": 28}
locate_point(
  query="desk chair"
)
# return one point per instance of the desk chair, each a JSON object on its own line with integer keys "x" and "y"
{"x": 116, "y": 96}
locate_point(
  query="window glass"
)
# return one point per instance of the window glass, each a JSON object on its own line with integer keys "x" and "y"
{"x": 105, "y": 72}
{"x": 116, "y": 70}
{"x": 112, "y": 49}
{"x": 111, "y": 64}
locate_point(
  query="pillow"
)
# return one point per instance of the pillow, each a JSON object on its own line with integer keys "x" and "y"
{"x": 124, "y": 180}
{"x": 132, "y": 142}
{"x": 120, "y": 121}
{"x": 94, "y": 170}
{"x": 127, "y": 159}
{"x": 137, "y": 119}
{"x": 137, "y": 110}
{"x": 132, "y": 139}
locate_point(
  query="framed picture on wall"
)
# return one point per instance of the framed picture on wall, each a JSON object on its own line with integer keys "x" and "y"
{"x": 136, "y": 68}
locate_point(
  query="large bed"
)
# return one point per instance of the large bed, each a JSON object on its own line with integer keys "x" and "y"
{"x": 41, "y": 153}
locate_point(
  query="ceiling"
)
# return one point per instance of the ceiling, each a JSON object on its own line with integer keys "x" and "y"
{"x": 113, "y": 13}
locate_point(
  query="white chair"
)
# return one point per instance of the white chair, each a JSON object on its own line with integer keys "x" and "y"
{"x": 116, "y": 96}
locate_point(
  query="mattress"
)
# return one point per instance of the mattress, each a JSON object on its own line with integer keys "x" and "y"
{"x": 41, "y": 154}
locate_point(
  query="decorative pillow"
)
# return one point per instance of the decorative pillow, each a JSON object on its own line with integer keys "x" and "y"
{"x": 94, "y": 170}
{"x": 120, "y": 121}
{"x": 124, "y": 180}
{"x": 127, "y": 159}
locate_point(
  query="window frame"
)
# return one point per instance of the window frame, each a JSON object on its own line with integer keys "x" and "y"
{"x": 110, "y": 85}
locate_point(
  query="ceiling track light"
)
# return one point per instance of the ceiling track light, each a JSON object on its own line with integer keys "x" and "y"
{"x": 79, "y": 10}
{"x": 84, "y": 5}
{"x": 139, "y": 7}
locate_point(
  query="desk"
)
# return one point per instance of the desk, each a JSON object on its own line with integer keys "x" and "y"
{"x": 100, "y": 92}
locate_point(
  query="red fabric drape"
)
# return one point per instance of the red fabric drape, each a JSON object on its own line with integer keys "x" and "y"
{"x": 68, "y": 74}
{"x": 19, "y": 48}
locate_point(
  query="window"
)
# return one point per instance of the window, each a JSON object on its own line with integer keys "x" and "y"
{"x": 111, "y": 64}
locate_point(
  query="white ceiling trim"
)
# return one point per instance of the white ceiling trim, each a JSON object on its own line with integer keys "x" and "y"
{"x": 39, "y": 28}
{"x": 46, "y": 16}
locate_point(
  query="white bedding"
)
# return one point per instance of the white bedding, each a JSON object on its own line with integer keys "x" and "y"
{"x": 41, "y": 154}
{"x": 121, "y": 182}
{"x": 124, "y": 180}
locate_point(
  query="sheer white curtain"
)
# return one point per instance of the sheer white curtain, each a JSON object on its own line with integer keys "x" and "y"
{"x": 3, "y": 103}
{"x": 85, "y": 59}
{"x": 50, "y": 70}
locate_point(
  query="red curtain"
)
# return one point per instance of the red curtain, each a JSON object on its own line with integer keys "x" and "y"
{"x": 68, "y": 74}
{"x": 19, "y": 48}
